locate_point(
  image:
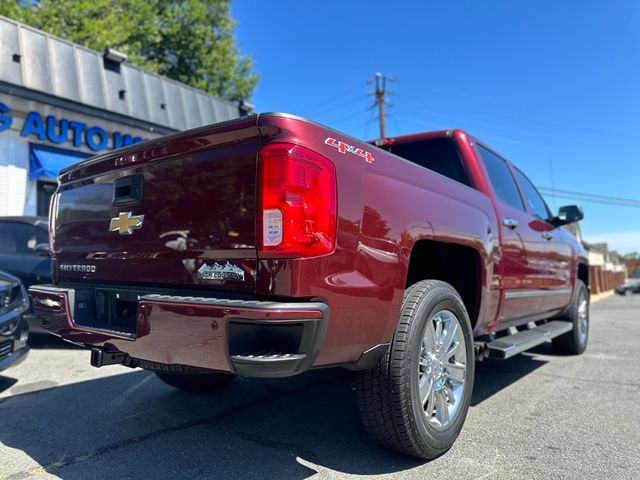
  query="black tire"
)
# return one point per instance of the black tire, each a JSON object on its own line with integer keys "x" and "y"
{"x": 575, "y": 341}
{"x": 388, "y": 398}
{"x": 196, "y": 382}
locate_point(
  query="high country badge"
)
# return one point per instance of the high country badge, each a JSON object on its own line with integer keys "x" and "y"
{"x": 220, "y": 272}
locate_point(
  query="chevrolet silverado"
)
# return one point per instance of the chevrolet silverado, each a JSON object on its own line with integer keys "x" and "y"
{"x": 269, "y": 245}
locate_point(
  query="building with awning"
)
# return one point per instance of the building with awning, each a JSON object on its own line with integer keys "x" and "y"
{"x": 61, "y": 103}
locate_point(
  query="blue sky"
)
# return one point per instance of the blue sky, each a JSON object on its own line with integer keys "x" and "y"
{"x": 553, "y": 86}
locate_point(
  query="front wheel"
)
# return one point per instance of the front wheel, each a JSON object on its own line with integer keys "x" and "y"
{"x": 196, "y": 382}
{"x": 574, "y": 342}
{"x": 415, "y": 400}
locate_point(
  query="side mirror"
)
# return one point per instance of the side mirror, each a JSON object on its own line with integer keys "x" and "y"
{"x": 568, "y": 214}
{"x": 42, "y": 249}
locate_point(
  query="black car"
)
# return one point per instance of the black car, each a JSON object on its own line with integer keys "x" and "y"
{"x": 14, "y": 330}
{"x": 628, "y": 289}
{"x": 23, "y": 249}
{"x": 24, "y": 252}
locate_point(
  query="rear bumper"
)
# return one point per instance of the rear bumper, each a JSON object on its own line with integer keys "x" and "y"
{"x": 245, "y": 337}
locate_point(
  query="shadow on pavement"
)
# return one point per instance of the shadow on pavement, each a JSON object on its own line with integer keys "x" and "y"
{"x": 7, "y": 382}
{"x": 48, "y": 341}
{"x": 132, "y": 426}
{"x": 495, "y": 375}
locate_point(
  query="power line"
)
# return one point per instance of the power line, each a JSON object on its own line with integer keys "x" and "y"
{"x": 330, "y": 99}
{"x": 548, "y": 114}
{"x": 591, "y": 198}
{"x": 366, "y": 125}
{"x": 592, "y": 195}
{"x": 395, "y": 124}
{"x": 347, "y": 117}
{"x": 336, "y": 107}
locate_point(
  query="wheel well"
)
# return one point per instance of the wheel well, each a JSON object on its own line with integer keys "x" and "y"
{"x": 583, "y": 273}
{"x": 457, "y": 265}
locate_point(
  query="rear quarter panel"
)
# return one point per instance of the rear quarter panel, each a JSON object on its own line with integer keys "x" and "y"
{"x": 384, "y": 208}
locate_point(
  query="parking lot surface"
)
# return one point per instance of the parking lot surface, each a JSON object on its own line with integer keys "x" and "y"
{"x": 538, "y": 415}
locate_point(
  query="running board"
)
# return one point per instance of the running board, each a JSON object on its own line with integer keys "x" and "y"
{"x": 506, "y": 347}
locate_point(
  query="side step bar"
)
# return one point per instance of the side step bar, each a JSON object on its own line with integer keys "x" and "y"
{"x": 510, "y": 345}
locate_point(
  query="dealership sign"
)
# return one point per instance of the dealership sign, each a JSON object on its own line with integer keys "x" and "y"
{"x": 62, "y": 130}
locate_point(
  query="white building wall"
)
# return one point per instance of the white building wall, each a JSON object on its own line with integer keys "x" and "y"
{"x": 596, "y": 259}
{"x": 18, "y": 196}
{"x": 14, "y": 165}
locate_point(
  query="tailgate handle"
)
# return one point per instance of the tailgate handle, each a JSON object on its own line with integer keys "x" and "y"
{"x": 128, "y": 190}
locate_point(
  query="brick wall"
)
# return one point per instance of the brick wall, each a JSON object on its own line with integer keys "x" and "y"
{"x": 603, "y": 280}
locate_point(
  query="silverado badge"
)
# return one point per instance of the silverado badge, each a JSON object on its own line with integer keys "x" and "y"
{"x": 126, "y": 223}
{"x": 220, "y": 272}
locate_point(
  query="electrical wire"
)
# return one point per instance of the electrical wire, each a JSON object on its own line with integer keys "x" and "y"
{"x": 546, "y": 123}
{"x": 591, "y": 198}
{"x": 367, "y": 124}
{"x": 330, "y": 100}
{"x": 335, "y": 108}
{"x": 395, "y": 124}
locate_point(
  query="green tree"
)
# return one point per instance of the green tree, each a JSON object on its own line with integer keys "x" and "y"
{"x": 188, "y": 40}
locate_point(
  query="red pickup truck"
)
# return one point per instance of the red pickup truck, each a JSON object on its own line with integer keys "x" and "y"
{"x": 269, "y": 245}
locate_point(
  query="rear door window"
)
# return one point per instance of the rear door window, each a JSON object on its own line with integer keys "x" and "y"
{"x": 535, "y": 201}
{"x": 501, "y": 178}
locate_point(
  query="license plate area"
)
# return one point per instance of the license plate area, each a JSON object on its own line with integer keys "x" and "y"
{"x": 106, "y": 309}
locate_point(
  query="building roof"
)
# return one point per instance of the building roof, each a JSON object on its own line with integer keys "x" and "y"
{"x": 33, "y": 62}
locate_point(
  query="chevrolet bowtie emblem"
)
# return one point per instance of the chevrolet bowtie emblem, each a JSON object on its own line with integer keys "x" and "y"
{"x": 126, "y": 223}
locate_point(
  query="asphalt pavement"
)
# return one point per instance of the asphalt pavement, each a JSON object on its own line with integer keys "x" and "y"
{"x": 538, "y": 415}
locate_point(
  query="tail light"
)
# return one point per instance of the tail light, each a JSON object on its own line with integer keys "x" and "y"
{"x": 297, "y": 201}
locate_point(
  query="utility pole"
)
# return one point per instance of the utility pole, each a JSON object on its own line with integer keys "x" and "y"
{"x": 379, "y": 93}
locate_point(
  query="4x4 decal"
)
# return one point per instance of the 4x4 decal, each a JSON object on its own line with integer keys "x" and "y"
{"x": 345, "y": 147}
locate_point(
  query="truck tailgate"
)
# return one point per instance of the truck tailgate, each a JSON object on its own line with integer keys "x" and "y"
{"x": 177, "y": 211}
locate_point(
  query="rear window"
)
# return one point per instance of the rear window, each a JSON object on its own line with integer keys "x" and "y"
{"x": 439, "y": 155}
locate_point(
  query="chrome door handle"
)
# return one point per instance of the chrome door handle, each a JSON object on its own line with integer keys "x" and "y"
{"x": 510, "y": 223}
{"x": 547, "y": 235}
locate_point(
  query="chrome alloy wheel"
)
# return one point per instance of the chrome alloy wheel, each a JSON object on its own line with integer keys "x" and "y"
{"x": 442, "y": 369}
{"x": 583, "y": 318}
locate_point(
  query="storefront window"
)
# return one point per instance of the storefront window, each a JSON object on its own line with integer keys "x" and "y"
{"x": 45, "y": 191}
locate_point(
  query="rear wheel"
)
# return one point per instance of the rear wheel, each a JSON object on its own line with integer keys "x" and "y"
{"x": 416, "y": 398}
{"x": 197, "y": 382}
{"x": 575, "y": 341}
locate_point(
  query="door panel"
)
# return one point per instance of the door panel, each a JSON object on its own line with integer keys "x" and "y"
{"x": 559, "y": 255}
{"x": 554, "y": 253}
{"x": 523, "y": 271}
{"x": 522, "y": 266}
